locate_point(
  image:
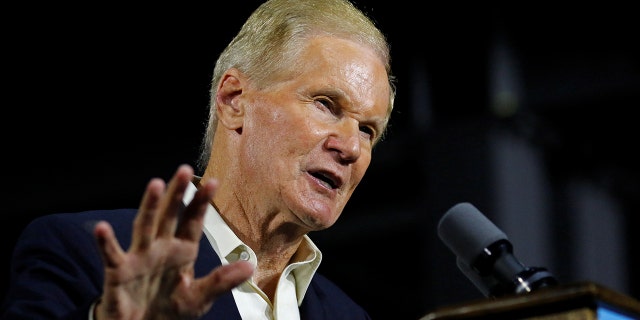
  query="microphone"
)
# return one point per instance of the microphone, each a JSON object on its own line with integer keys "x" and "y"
{"x": 485, "y": 256}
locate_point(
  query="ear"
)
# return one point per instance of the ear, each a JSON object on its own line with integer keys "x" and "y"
{"x": 230, "y": 106}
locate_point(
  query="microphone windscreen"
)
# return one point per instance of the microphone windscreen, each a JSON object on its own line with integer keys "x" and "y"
{"x": 467, "y": 232}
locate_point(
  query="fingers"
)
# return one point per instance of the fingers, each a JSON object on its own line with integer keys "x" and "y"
{"x": 172, "y": 201}
{"x": 163, "y": 248}
{"x": 225, "y": 278}
{"x": 190, "y": 227}
{"x": 110, "y": 250}
{"x": 145, "y": 223}
{"x": 158, "y": 212}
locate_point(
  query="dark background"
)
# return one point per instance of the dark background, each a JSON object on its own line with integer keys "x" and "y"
{"x": 527, "y": 111}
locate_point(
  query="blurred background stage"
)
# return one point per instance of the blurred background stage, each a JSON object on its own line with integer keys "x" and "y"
{"x": 528, "y": 111}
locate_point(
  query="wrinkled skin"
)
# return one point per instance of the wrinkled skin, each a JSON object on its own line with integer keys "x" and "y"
{"x": 286, "y": 159}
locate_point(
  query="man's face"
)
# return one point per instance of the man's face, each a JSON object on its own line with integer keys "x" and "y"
{"x": 307, "y": 140}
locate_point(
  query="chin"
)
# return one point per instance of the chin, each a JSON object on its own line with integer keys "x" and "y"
{"x": 315, "y": 213}
{"x": 317, "y": 222}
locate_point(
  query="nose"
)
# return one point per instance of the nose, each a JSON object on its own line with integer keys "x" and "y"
{"x": 345, "y": 141}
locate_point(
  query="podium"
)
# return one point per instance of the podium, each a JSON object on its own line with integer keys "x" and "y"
{"x": 576, "y": 301}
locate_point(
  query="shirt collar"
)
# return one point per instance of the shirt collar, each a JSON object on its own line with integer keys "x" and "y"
{"x": 225, "y": 243}
{"x": 221, "y": 237}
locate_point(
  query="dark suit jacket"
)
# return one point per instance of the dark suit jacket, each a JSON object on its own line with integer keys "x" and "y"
{"x": 57, "y": 272}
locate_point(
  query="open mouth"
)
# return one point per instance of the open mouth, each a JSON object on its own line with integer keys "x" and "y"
{"x": 328, "y": 179}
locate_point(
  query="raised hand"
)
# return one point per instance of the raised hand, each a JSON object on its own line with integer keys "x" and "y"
{"x": 154, "y": 278}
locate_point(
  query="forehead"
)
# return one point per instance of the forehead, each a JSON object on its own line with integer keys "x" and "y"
{"x": 349, "y": 67}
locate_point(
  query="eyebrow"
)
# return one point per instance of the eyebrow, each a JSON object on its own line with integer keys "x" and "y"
{"x": 380, "y": 123}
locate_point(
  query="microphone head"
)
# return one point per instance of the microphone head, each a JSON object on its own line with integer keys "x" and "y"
{"x": 467, "y": 232}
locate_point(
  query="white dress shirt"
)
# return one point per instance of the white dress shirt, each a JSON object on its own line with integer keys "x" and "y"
{"x": 252, "y": 302}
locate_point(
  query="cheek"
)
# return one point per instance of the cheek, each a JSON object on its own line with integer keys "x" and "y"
{"x": 289, "y": 130}
{"x": 273, "y": 138}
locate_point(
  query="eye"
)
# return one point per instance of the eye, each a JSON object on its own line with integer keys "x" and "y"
{"x": 368, "y": 132}
{"x": 325, "y": 103}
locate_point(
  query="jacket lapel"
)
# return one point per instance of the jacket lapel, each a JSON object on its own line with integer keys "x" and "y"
{"x": 225, "y": 306}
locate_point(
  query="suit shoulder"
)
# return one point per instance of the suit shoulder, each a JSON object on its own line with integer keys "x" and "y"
{"x": 73, "y": 224}
{"x": 332, "y": 300}
{"x": 83, "y": 217}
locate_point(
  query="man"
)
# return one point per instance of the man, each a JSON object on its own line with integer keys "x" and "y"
{"x": 299, "y": 99}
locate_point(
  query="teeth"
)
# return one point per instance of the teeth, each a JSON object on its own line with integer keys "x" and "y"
{"x": 325, "y": 179}
{"x": 328, "y": 185}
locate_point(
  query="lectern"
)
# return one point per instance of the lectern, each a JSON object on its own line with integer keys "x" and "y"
{"x": 575, "y": 301}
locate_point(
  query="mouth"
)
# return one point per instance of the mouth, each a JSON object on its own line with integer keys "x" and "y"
{"x": 328, "y": 179}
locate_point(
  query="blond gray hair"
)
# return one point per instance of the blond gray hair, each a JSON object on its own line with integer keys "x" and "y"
{"x": 270, "y": 39}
